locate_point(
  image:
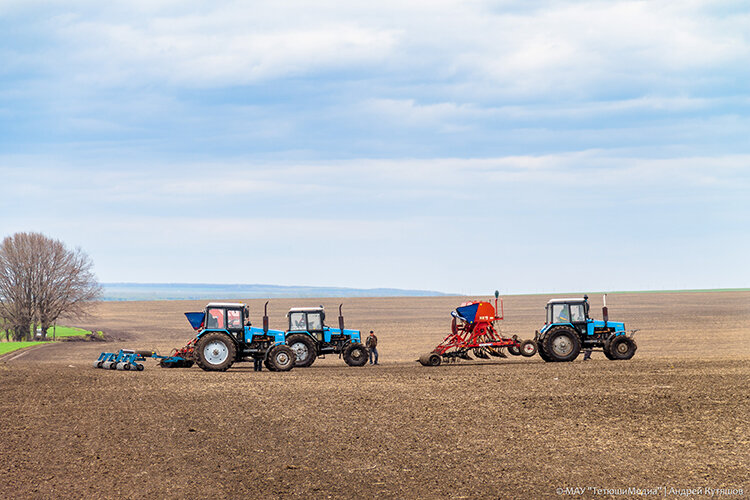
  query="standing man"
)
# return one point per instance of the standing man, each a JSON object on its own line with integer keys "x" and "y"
{"x": 372, "y": 346}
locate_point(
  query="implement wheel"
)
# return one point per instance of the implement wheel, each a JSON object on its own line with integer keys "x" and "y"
{"x": 621, "y": 348}
{"x": 430, "y": 359}
{"x": 215, "y": 352}
{"x": 528, "y": 348}
{"x": 355, "y": 354}
{"x": 514, "y": 350}
{"x": 280, "y": 358}
{"x": 304, "y": 349}
{"x": 562, "y": 344}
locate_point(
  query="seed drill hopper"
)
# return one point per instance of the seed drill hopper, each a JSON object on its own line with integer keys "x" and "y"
{"x": 473, "y": 332}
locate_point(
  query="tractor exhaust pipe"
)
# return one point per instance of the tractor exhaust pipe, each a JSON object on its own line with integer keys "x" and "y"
{"x": 265, "y": 318}
{"x": 341, "y": 320}
{"x": 605, "y": 311}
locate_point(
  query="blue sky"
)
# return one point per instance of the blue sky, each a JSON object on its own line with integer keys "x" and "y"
{"x": 459, "y": 146}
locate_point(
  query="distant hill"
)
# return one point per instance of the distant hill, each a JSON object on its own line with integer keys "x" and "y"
{"x": 200, "y": 291}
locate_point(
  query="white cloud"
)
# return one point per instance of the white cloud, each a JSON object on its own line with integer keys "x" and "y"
{"x": 508, "y": 48}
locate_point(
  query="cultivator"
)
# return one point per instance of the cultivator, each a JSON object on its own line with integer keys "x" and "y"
{"x": 127, "y": 359}
{"x": 124, "y": 359}
{"x": 473, "y": 332}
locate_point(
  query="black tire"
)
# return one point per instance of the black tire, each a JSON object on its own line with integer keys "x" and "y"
{"x": 621, "y": 347}
{"x": 562, "y": 344}
{"x": 281, "y": 358}
{"x": 528, "y": 348}
{"x": 514, "y": 350}
{"x": 304, "y": 349}
{"x": 606, "y": 348}
{"x": 434, "y": 359}
{"x": 215, "y": 352}
{"x": 139, "y": 367}
{"x": 355, "y": 354}
{"x": 267, "y": 364}
{"x": 540, "y": 349}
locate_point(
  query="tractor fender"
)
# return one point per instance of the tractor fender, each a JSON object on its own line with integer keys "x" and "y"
{"x": 224, "y": 332}
{"x": 300, "y": 332}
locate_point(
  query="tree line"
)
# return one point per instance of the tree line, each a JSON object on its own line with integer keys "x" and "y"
{"x": 42, "y": 280}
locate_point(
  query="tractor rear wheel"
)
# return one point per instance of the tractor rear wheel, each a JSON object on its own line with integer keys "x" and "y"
{"x": 304, "y": 349}
{"x": 562, "y": 344}
{"x": 605, "y": 348}
{"x": 355, "y": 354}
{"x": 280, "y": 358}
{"x": 622, "y": 347}
{"x": 215, "y": 352}
{"x": 540, "y": 349}
{"x": 528, "y": 348}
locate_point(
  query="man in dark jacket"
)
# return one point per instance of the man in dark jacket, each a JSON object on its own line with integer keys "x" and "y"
{"x": 372, "y": 346}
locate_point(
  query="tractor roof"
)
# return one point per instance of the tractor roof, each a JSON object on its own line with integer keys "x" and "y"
{"x": 576, "y": 300}
{"x": 306, "y": 309}
{"x": 225, "y": 304}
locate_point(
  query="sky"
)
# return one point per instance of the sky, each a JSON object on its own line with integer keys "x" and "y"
{"x": 459, "y": 146}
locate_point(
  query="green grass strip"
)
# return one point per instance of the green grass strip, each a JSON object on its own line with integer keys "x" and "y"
{"x": 6, "y": 347}
{"x": 67, "y": 331}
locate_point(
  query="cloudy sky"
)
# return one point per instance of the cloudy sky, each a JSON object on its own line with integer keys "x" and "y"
{"x": 460, "y": 146}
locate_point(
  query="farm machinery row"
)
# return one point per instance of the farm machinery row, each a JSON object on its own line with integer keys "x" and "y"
{"x": 226, "y": 336}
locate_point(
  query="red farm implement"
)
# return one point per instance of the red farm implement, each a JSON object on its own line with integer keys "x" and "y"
{"x": 473, "y": 332}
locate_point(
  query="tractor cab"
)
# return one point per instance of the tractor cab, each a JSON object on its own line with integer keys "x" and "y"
{"x": 569, "y": 311}
{"x": 310, "y": 338}
{"x": 226, "y": 316}
{"x": 309, "y": 319}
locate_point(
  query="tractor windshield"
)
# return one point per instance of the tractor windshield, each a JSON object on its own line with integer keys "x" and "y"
{"x": 576, "y": 313}
{"x": 314, "y": 322}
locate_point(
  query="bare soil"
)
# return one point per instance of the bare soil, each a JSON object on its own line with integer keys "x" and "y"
{"x": 676, "y": 416}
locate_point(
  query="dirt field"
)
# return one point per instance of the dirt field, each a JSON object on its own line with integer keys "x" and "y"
{"x": 677, "y": 416}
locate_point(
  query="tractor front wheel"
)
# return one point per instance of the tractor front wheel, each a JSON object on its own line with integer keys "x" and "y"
{"x": 621, "y": 348}
{"x": 562, "y": 344}
{"x": 355, "y": 354}
{"x": 280, "y": 358}
{"x": 215, "y": 352}
{"x": 304, "y": 349}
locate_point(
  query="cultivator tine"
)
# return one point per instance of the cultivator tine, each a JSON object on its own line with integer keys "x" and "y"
{"x": 479, "y": 353}
{"x": 465, "y": 355}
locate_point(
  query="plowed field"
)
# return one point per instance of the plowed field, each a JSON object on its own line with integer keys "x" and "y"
{"x": 675, "y": 417}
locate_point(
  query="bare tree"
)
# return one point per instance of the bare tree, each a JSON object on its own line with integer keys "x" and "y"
{"x": 41, "y": 280}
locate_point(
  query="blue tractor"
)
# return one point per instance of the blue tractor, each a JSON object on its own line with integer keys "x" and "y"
{"x": 309, "y": 338}
{"x": 226, "y": 336}
{"x": 568, "y": 329}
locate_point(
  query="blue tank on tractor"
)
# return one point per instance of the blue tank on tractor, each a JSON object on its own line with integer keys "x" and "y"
{"x": 568, "y": 329}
